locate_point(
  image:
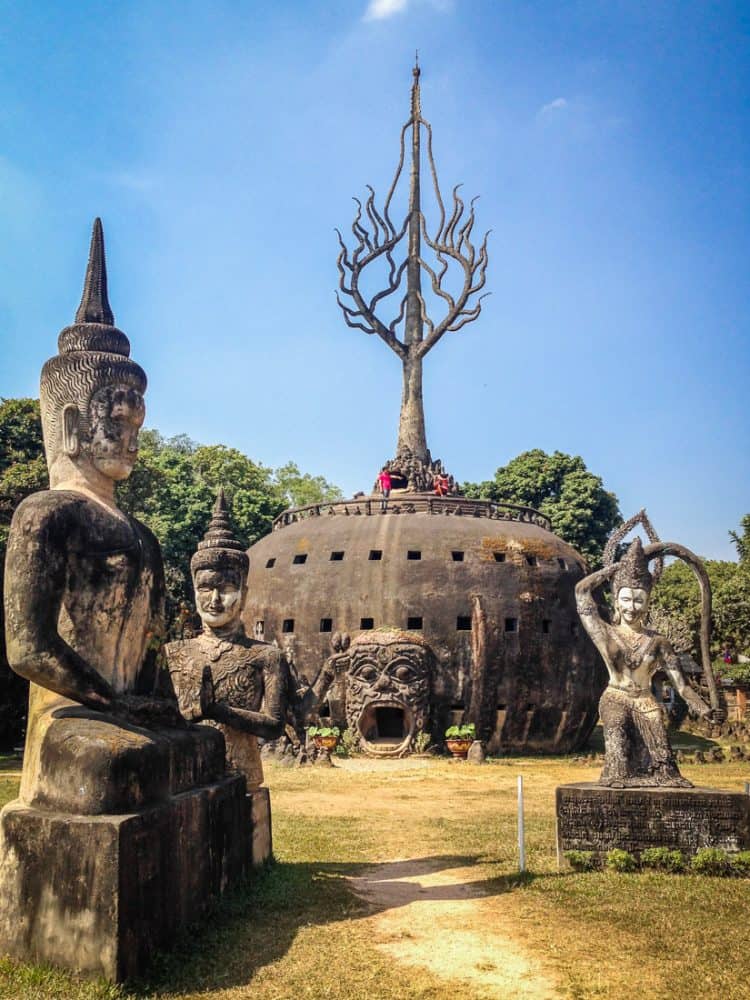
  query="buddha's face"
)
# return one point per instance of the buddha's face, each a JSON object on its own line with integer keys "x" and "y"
{"x": 116, "y": 416}
{"x": 218, "y": 594}
{"x": 632, "y": 603}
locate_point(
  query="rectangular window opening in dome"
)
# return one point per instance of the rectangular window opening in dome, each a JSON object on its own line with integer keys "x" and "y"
{"x": 326, "y": 624}
{"x": 337, "y": 557}
{"x": 499, "y": 556}
{"x": 287, "y": 625}
{"x": 546, "y": 625}
{"x": 260, "y": 629}
{"x": 414, "y": 555}
{"x": 511, "y": 624}
{"x": 366, "y": 623}
{"x": 457, "y": 556}
{"x": 300, "y": 558}
{"x": 463, "y": 623}
{"x": 414, "y": 624}
{"x": 270, "y": 563}
{"x": 562, "y": 564}
{"x": 376, "y": 554}
{"x": 532, "y": 560}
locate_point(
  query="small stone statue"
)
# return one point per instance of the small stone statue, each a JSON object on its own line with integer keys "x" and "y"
{"x": 222, "y": 677}
{"x": 637, "y": 751}
{"x": 305, "y": 699}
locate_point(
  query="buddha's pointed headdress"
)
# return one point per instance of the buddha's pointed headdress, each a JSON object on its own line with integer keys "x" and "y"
{"x": 220, "y": 548}
{"x": 93, "y": 353}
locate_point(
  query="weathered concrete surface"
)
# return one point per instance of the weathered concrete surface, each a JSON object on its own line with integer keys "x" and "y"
{"x": 259, "y": 803}
{"x": 534, "y": 687}
{"x": 591, "y": 817}
{"x": 101, "y": 894}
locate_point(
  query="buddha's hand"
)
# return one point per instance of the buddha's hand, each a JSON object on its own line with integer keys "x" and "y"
{"x": 149, "y": 711}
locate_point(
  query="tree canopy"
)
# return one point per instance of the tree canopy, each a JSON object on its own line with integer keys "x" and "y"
{"x": 581, "y": 510}
{"x": 678, "y": 596}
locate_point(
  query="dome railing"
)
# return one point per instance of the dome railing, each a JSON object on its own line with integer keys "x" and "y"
{"x": 416, "y": 503}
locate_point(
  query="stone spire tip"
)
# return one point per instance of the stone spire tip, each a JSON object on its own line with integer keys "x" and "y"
{"x": 94, "y": 307}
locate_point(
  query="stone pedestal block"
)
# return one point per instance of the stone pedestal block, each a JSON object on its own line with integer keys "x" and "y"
{"x": 101, "y": 894}
{"x": 592, "y": 817}
{"x": 259, "y": 802}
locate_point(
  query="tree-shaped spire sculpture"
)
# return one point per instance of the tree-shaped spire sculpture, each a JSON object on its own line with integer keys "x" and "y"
{"x": 378, "y": 239}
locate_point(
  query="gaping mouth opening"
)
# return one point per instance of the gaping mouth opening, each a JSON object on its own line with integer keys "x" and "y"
{"x": 386, "y": 729}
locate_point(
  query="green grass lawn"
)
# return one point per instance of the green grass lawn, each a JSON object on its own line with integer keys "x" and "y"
{"x": 298, "y": 930}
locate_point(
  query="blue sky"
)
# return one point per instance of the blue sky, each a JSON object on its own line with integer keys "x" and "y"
{"x": 221, "y": 143}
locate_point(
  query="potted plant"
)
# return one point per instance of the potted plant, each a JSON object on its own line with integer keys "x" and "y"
{"x": 324, "y": 737}
{"x": 458, "y": 739}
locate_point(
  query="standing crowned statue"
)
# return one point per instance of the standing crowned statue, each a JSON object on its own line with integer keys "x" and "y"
{"x": 637, "y": 750}
{"x": 222, "y": 677}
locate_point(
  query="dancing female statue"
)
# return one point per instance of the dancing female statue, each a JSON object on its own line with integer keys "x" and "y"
{"x": 637, "y": 750}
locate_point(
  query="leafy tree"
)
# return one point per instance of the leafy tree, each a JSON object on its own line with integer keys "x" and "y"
{"x": 677, "y": 597}
{"x": 22, "y": 471}
{"x": 22, "y": 466}
{"x": 300, "y": 489}
{"x": 560, "y": 486}
{"x": 742, "y": 542}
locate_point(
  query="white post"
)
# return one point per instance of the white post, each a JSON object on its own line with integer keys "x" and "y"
{"x": 521, "y": 848}
{"x": 747, "y": 788}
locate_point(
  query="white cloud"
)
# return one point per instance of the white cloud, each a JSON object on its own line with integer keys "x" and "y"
{"x": 558, "y": 104}
{"x": 379, "y": 10}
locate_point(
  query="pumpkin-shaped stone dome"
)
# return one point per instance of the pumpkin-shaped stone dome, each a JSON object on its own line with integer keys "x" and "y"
{"x": 488, "y": 587}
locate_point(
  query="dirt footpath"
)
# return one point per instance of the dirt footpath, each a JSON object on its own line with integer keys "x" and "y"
{"x": 437, "y": 917}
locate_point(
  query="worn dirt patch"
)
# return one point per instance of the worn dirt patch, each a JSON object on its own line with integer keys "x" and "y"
{"x": 443, "y": 918}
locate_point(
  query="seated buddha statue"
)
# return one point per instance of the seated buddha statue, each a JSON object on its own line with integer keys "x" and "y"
{"x": 84, "y": 590}
{"x": 222, "y": 677}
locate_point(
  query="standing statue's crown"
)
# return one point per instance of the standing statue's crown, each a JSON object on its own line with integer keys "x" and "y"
{"x": 93, "y": 353}
{"x": 219, "y": 547}
{"x": 632, "y": 570}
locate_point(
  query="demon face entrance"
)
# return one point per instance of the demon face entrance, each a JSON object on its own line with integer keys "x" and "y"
{"x": 385, "y": 729}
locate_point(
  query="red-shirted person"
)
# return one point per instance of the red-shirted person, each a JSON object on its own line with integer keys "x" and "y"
{"x": 384, "y": 485}
{"x": 441, "y": 484}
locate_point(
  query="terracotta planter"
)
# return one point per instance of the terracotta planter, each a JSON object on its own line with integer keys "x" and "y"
{"x": 459, "y": 748}
{"x": 325, "y": 742}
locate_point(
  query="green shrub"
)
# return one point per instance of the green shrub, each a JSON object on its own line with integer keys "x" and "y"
{"x": 663, "y": 859}
{"x": 422, "y": 742}
{"x": 710, "y": 861}
{"x": 582, "y": 861}
{"x": 740, "y": 863}
{"x": 465, "y": 732}
{"x": 618, "y": 860}
{"x": 348, "y": 744}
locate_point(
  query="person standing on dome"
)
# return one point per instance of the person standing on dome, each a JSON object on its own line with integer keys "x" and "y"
{"x": 384, "y": 485}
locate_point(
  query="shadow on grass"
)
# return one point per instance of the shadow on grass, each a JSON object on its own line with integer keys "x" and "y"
{"x": 679, "y": 739}
{"x": 256, "y": 926}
